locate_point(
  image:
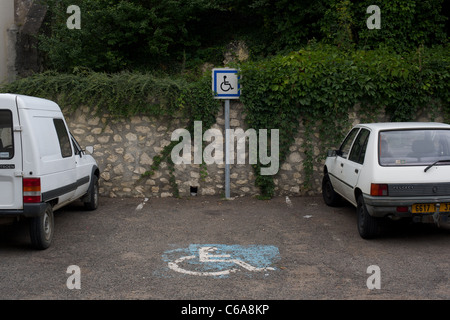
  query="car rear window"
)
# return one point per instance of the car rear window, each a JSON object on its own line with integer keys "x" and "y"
{"x": 6, "y": 135}
{"x": 413, "y": 147}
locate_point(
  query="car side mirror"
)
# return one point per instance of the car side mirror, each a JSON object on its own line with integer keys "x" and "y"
{"x": 90, "y": 150}
{"x": 332, "y": 153}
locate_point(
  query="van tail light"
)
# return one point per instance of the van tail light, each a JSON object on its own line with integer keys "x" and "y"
{"x": 379, "y": 189}
{"x": 32, "y": 190}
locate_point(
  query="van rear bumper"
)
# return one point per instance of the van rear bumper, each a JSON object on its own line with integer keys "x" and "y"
{"x": 29, "y": 210}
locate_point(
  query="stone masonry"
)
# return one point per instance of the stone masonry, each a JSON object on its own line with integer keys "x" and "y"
{"x": 124, "y": 150}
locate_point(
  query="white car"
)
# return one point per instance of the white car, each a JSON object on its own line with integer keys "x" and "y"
{"x": 42, "y": 167}
{"x": 391, "y": 170}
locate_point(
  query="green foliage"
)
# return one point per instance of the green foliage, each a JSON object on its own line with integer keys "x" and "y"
{"x": 338, "y": 22}
{"x": 405, "y": 24}
{"x": 316, "y": 60}
{"x": 123, "y": 94}
{"x": 282, "y": 25}
{"x": 171, "y": 35}
{"x": 320, "y": 84}
{"x": 119, "y": 35}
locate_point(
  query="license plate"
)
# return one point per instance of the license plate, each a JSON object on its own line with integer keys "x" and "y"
{"x": 429, "y": 207}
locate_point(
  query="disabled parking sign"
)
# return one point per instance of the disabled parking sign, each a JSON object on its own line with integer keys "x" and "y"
{"x": 218, "y": 260}
{"x": 225, "y": 83}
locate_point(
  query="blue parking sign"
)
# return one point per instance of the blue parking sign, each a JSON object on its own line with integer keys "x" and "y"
{"x": 225, "y": 83}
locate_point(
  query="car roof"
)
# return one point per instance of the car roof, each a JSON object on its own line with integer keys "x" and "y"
{"x": 404, "y": 125}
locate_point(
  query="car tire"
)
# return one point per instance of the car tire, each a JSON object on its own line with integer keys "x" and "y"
{"x": 93, "y": 195}
{"x": 368, "y": 226}
{"x": 330, "y": 197}
{"x": 42, "y": 228}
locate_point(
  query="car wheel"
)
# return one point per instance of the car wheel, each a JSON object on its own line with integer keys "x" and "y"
{"x": 41, "y": 229}
{"x": 368, "y": 226}
{"x": 93, "y": 195}
{"x": 330, "y": 196}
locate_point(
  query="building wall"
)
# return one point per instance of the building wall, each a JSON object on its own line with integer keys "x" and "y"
{"x": 6, "y": 22}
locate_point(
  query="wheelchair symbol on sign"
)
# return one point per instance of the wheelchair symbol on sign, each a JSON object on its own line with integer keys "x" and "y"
{"x": 205, "y": 255}
{"x": 225, "y": 85}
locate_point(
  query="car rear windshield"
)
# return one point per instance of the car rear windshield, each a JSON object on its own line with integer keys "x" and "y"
{"x": 414, "y": 147}
{"x": 6, "y": 135}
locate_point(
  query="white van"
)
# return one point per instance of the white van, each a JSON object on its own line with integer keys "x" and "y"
{"x": 42, "y": 167}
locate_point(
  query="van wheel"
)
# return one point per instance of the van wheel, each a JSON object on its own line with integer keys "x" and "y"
{"x": 368, "y": 226}
{"x": 41, "y": 229}
{"x": 330, "y": 196}
{"x": 93, "y": 195}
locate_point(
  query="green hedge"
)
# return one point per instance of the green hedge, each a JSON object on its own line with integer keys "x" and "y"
{"x": 319, "y": 85}
{"x": 121, "y": 94}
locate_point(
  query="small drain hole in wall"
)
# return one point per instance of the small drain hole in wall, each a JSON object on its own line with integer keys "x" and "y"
{"x": 194, "y": 191}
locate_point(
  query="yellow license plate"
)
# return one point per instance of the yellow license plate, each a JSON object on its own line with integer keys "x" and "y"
{"x": 429, "y": 207}
{"x": 423, "y": 208}
{"x": 445, "y": 207}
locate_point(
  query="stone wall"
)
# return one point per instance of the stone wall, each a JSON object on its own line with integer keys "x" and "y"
{"x": 124, "y": 150}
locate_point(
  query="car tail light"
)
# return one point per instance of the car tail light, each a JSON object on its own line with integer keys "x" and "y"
{"x": 31, "y": 190}
{"x": 379, "y": 189}
{"x": 402, "y": 209}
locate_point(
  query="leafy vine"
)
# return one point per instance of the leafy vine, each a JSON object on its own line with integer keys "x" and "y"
{"x": 319, "y": 85}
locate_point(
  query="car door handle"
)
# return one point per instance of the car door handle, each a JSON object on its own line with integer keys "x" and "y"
{"x": 356, "y": 170}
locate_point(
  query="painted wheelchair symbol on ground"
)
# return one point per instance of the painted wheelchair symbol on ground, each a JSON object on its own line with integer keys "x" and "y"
{"x": 222, "y": 260}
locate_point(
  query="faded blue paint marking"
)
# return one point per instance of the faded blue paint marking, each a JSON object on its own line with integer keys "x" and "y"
{"x": 223, "y": 258}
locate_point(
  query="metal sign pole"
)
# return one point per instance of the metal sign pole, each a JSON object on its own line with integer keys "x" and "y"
{"x": 227, "y": 148}
{"x": 225, "y": 85}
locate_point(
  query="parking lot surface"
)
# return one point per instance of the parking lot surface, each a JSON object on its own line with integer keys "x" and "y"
{"x": 211, "y": 248}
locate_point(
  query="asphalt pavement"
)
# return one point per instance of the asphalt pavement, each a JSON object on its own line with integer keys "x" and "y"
{"x": 208, "y": 248}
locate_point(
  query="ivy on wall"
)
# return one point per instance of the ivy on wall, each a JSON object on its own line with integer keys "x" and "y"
{"x": 196, "y": 103}
{"x": 126, "y": 94}
{"x": 121, "y": 94}
{"x": 316, "y": 87}
{"x": 320, "y": 84}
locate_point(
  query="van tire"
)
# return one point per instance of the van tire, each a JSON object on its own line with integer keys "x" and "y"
{"x": 93, "y": 195}
{"x": 368, "y": 226}
{"x": 42, "y": 229}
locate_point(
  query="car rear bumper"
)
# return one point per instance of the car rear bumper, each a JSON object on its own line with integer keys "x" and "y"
{"x": 29, "y": 210}
{"x": 384, "y": 206}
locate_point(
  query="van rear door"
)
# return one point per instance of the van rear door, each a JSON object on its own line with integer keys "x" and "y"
{"x": 11, "y": 164}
